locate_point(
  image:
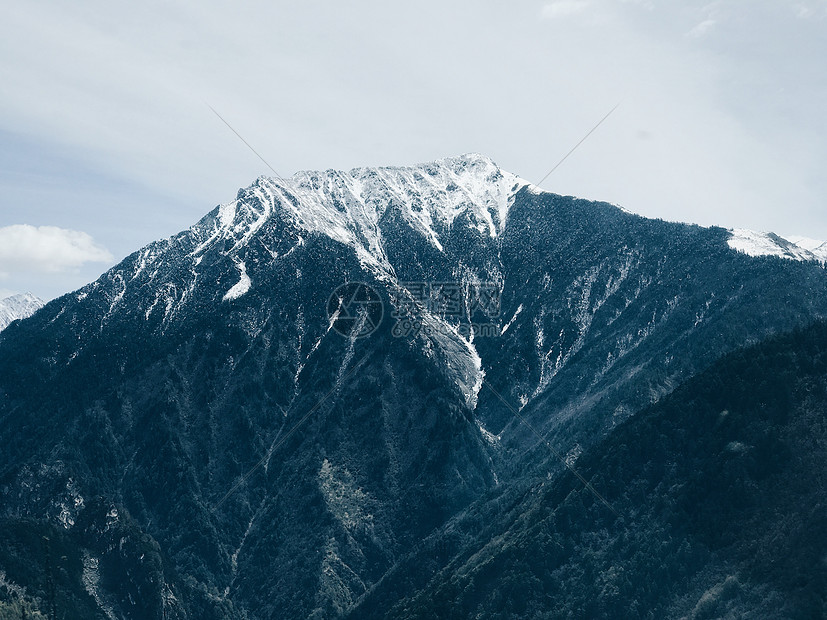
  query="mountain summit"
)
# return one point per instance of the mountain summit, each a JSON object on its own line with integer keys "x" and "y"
{"x": 336, "y": 387}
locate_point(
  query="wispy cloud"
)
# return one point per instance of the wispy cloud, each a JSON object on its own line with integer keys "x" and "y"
{"x": 711, "y": 19}
{"x": 812, "y": 9}
{"x": 702, "y": 28}
{"x": 564, "y": 8}
{"x": 47, "y": 249}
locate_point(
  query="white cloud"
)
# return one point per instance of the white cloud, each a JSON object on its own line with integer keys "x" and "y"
{"x": 47, "y": 249}
{"x": 702, "y": 28}
{"x": 564, "y": 8}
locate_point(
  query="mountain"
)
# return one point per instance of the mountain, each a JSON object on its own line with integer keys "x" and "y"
{"x": 246, "y": 431}
{"x": 18, "y": 307}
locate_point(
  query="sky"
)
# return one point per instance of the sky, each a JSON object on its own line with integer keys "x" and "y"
{"x": 107, "y": 140}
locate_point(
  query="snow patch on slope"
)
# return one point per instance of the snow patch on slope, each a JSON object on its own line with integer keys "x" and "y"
{"x": 240, "y": 287}
{"x": 511, "y": 320}
{"x": 456, "y": 354}
{"x": 490, "y": 437}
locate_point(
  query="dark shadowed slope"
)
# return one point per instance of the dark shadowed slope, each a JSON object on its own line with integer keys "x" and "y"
{"x": 722, "y": 497}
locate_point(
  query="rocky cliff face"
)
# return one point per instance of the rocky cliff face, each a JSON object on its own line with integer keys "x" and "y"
{"x": 216, "y": 428}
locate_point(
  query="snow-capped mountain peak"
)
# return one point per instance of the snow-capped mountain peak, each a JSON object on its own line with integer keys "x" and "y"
{"x": 18, "y": 307}
{"x": 348, "y": 206}
{"x": 756, "y": 243}
{"x": 429, "y": 195}
{"x": 816, "y": 247}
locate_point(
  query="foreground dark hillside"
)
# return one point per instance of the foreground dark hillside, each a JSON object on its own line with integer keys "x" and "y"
{"x": 721, "y": 495}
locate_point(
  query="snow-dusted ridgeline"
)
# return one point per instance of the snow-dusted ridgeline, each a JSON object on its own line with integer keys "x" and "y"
{"x": 769, "y": 244}
{"x": 814, "y": 246}
{"x": 347, "y": 206}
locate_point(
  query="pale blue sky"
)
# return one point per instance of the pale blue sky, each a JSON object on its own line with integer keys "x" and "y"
{"x": 104, "y": 127}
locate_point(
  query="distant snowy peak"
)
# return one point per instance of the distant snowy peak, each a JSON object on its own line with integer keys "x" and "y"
{"x": 817, "y": 248}
{"x": 769, "y": 244}
{"x": 18, "y": 307}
